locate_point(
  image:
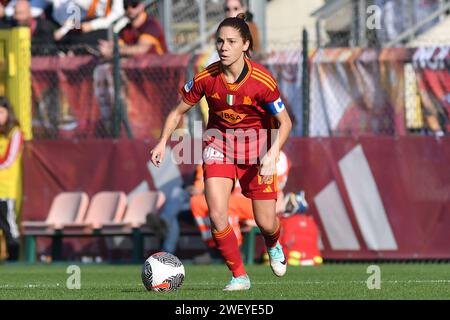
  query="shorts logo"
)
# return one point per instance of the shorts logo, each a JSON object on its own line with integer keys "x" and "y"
{"x": 188, "y": 86}
{"x": 231, "y": 116}
{"x": 268, "y": 182}
{"x": 211, "y": 154}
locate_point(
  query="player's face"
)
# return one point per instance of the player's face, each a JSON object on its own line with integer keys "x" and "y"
{"x": 230, "y": 45}
{"x": 3, "y": 115}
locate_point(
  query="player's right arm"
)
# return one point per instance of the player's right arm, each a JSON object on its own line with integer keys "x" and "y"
{"x": 172, "y": 121}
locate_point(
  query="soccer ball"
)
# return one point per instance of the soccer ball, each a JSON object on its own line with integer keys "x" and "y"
{"x": 162, "y": 272}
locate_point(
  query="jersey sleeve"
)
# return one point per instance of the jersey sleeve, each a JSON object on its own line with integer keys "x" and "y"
{"x": 272, "y": 101}
{"x": 193, "y": 91}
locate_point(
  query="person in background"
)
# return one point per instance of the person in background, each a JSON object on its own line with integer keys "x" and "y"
{"x": 11, "y": 145}
{"x": 142, "y": 35}
{"x": 42, "y": 42}
{"x": 37, "y": 7}
{"x": 3, "y": 20}
{"x": 232, "y": 9}
{"x": 85, "y": 22}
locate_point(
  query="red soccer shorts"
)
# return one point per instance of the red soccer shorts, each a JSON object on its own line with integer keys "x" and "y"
{"x": 249, "y": 179}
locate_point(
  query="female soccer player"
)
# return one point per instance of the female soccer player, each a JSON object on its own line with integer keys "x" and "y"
{"x": 242, "y": 97}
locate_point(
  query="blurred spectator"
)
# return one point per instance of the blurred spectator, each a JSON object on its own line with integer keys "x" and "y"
{"x": 11, "y": 144}
{"x": 232, "y": 9}
{"x": 85, "y": 21}
{"x": 37, "y": 7}
{"x": 143, "y": 34}
{"x": 42, "y": 42}
{"x": 395, "y": 17}
{"x": 3, "y": 22}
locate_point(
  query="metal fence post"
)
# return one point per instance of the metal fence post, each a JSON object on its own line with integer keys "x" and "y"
{"x": 305, "y": 84}
{"x": 119, "y": 113}
{"x": 202, "y": 22}
{"x": 167, "y": 23}
{"x": 258, "y": 8}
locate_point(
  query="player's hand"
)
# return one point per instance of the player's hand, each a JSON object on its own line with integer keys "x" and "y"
{"x": 268, "y": 167}
{"x": 157, "y": 154}
{"x": 86, "y": 27}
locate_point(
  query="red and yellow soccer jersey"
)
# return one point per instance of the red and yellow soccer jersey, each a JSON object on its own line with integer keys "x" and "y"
{"x": 248, "y": 104}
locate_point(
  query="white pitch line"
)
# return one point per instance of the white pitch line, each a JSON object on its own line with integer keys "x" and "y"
{"x": 306, "y": 282}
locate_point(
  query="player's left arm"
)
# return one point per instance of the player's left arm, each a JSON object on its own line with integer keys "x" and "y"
{"x": 278, "y": 110}
{"x": 284, "y": 129}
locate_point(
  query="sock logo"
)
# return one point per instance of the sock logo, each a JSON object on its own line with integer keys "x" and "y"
{"x": 229, "y": 263}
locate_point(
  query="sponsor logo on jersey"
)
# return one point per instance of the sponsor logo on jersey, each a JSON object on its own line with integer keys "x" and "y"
{"x": 231, "y": 116}
{"x": 188, "y": 86}
{"x": 230, "y": 99}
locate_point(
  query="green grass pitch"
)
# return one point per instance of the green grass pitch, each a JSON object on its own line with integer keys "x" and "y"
{"x": 332, "y": 281}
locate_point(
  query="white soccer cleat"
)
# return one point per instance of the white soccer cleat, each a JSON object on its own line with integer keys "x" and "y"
{"x": 277, "y": 260}
{"x": 238, "y": 284}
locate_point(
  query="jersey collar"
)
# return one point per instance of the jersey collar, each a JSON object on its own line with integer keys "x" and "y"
{"x": 236, "y": 86}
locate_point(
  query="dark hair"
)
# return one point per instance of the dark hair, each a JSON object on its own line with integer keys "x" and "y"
{"x": 12, "y": 120}
{"x": 240, "y": 25}
{"x": 132, "y": 3}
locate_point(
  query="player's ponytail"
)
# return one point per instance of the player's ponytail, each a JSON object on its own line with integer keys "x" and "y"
{"x": 242, "y": 16}
{"x": 240, "y": 25}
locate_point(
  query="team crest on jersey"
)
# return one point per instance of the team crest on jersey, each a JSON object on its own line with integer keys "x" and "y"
{"x": 231, "y": 99}
{"x": 188, "y": 86}
{"x": 231, "y": 116}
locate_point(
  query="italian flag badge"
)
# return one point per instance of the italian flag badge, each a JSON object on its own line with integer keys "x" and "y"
{"x": 230, "y": 99}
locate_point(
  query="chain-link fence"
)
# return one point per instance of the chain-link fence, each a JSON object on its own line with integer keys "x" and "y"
{"x": 379, "y": 23}
{"x": 74, "y": 96}
{"x": 358, "y": 89}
